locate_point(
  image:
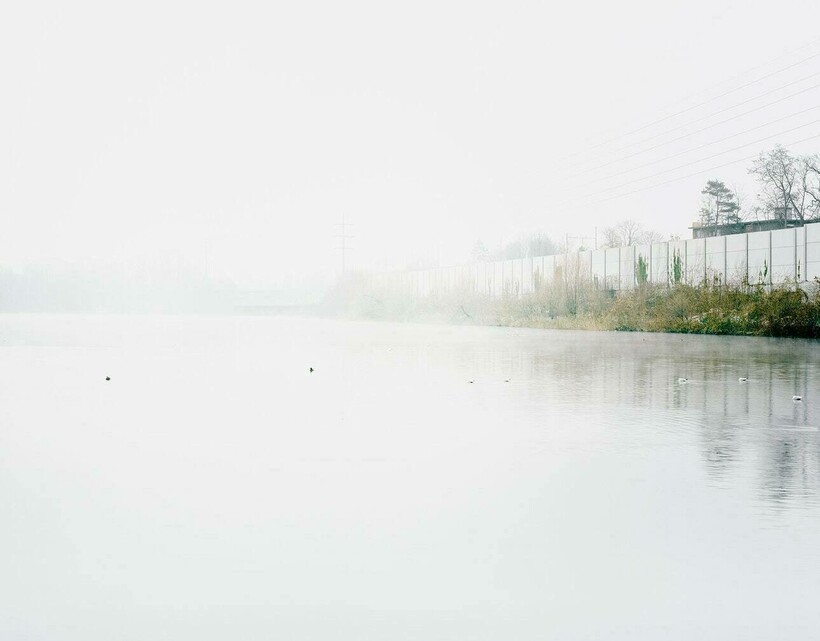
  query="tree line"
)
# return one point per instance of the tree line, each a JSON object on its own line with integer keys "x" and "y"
{"x": 789, "y": 191}
{"x": 523, "y": 246}
{"x": 789, "y": 187}
{"x": 621, "y": 234}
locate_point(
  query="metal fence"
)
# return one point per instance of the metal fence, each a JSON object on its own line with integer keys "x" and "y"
{"x": 765, "y": 257}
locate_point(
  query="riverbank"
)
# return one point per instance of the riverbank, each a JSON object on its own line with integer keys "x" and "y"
{"x": 728, "y": 310}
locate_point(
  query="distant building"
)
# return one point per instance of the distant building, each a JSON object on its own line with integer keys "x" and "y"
{"x": 701, "y": 230}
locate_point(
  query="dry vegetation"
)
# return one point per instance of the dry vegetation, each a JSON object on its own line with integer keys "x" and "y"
{"x": 740, "y": 310}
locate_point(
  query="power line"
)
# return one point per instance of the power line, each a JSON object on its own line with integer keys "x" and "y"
{"x": 740, "y": 74}
{"x": 697, "y": 131}
{"x": 718, "y": 84}
{"x": 697, "y": 173}
{"x": 708, "y": 144}
{"x": 724, "y": 94}
{"x": 724, "y": 110}
{"x": 692, "y": 175}
{"x": 707, "y": 117}
{"x": 786, "y": 54}
{"x": 694, "y": 162}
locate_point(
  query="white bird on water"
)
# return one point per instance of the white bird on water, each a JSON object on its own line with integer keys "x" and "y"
{"x": 797, "y": 398}
{"x": 682, "y": 381}
{"x": 742, "y": 379}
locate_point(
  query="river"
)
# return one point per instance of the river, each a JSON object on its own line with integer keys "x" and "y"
{"x": 423, "y": 482}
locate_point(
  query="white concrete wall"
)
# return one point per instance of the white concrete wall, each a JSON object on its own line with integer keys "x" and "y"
{"x": 736, "y": 258}
{"x": 758, "y": 257}
{"x": 765, "y": 257}
{"x": 784, "y": 254}
{"x": 659, "y": 264}
{"x": 812, "y": 252}
{"x": 716, "y": 259}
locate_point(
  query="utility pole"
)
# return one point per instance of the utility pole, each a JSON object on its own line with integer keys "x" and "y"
{"x": 582, "y": 238}
{"x": 344, "y": 236}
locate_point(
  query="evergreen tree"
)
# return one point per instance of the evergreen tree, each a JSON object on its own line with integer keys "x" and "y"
{"x": 720, "y": 206}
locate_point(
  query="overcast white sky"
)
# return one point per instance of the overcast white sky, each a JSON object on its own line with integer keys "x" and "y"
{"x": 234, "y": 137}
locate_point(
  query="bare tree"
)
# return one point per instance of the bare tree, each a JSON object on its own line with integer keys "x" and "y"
{"x": 526, "y": 246}
{"x": 783, "y": 178}
{"x": 650, "y": 237}
{"x": 539, "y": 244}
{"x": 810, "y": 185}
{"x": 629, "y": 232}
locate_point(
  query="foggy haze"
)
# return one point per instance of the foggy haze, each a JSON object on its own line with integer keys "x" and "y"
{"x": 206, "y": 435}
{"x": 232, "y": 140}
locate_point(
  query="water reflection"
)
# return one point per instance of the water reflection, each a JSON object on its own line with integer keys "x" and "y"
{"x": 737, "y": 398}
{"x": 384, "y": 493}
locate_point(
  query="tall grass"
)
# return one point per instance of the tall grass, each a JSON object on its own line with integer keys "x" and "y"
{"x": 571, "y": 301}
{"x": 757, "y": 311}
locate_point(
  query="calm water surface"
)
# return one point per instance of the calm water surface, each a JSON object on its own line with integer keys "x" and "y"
{"x": 215, "y": 489}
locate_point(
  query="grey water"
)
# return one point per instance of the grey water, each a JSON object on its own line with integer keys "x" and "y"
{"x": 423, "y": 482}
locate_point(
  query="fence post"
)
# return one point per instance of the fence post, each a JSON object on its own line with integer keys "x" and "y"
{"x": 769, "y": 273}
{"x": 705, "y": 264}
{"x": 805, "y": 254}
{"x": 725, "y": 261}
